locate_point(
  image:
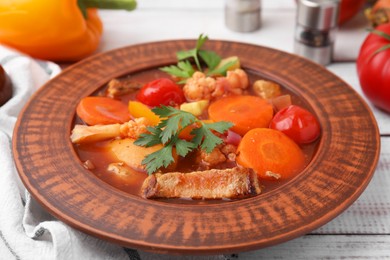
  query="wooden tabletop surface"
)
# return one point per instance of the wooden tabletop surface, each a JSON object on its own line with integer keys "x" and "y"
{"x": 363, "y": 230}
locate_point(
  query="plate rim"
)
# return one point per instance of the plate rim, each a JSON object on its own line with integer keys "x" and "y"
{"x": 185, "y": 249}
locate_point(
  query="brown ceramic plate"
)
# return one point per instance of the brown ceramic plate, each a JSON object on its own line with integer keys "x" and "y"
{"x": 339, "y": 172}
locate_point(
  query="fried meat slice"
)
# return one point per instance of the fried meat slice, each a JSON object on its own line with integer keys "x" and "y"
{"x": 211, "y": 184}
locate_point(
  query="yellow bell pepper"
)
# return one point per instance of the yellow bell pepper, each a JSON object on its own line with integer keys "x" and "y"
{"x": 138, "y": 109}
{"x": 60, "y": 30}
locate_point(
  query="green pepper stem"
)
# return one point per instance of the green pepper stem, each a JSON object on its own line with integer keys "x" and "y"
{"x": 110, "y": 4}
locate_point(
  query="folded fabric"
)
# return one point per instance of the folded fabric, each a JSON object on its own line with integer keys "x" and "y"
{"x": 26, "y": 230}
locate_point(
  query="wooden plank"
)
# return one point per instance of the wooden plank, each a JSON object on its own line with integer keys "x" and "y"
{"x": 370, "y": 214}
{"x": 347, "y": 72}
{"x": 325, "y": 247}
{"x": 306, "y": 247}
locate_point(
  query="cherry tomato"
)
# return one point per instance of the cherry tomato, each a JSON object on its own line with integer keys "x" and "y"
{"x": 373, "y": 67}
{"x": 297, "y": 123}
{"x": 161, "y": 92}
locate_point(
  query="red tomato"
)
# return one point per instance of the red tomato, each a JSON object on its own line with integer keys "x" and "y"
{"x": 161, "y": 92}
{"x": 374, "y": 68}
{"x": 349, "y": 8}
{"x": 297, "y": 123}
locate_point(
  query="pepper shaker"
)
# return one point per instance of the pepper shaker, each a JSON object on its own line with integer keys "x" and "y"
{"x": 316, "y": 25}
{"x": 243, "y": 15}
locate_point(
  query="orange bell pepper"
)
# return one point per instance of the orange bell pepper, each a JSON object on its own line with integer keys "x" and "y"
{"x": 61, "y": 30}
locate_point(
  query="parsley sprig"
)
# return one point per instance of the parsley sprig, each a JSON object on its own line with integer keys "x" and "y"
{"x": 167, "y": 133}
{"x": 184, "y": 69}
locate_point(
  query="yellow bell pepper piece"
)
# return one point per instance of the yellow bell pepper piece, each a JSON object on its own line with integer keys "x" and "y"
{"x": 60, "y": 30}
{"x": 138, "y": 109}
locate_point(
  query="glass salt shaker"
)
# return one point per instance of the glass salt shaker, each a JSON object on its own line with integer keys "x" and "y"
{"x": 243, "y": 15}
{"x": 316, "y": 26}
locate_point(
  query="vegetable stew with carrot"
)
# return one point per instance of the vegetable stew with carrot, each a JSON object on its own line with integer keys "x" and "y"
{"x": 204, "y": 129}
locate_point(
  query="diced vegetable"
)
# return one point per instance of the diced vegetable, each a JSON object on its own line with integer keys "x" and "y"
{"x": 196, "y": 108}
{"x": 102, "y": 111}
{"x": 233, "y": 138}
{"x": 271, "y": 154}
{"x": 245, "y": 112}
{"x": 88, "y": 134}
{"x": 281, "y": 102}
{"x": 137, "y": 110}
{"x": 266, "y": 89}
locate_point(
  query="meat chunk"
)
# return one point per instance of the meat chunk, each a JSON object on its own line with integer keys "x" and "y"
{"x": 119, "y": 168}
{"x": 208, "y": 160}
{"x": 117, "y": 88}
{"x": 211, "y": 184}
{"x": 220, "y": 154}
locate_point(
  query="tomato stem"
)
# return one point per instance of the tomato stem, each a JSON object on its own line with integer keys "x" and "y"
{"x": 383, "y": 35}
{"x": 380, "y": 33}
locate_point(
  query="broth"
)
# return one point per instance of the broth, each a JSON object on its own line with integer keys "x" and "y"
{"x": 98, "y": 154}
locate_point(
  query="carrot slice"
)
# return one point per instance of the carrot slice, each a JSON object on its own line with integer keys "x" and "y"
{"x": 245, "y": 112}
{"x": 102, "y": 111}
{"x": 271, "y": 154}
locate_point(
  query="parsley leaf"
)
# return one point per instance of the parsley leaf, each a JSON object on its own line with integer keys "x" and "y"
{"x": 175, "y": 120}
{"x": 210, "y": 58}
{"x": 183, "y": 147}
{"x": 167, "y": 133}
{"x": 221, "y": 70}
{"x": 184, "y": 68}
{"x": 182, "y": 55}
{"x": 149, "y": 139}
{"x": 205, "y": 137}
{"x": 158, "y": 159}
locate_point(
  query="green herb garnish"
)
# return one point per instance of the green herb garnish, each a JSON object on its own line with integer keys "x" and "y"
{"x": 167, "y": 133}
{"x": 184, "y": 69}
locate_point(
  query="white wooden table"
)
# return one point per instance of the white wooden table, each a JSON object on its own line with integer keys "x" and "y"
{"x": 363, "y": 230}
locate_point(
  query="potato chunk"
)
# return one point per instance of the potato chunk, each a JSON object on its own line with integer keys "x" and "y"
{"x": 126, "y": 151}
{"x": 266, "y": 89}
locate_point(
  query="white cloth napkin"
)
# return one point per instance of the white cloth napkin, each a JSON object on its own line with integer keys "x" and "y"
{"x": 27, "y": 231}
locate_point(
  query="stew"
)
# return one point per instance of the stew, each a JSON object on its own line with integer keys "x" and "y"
{"x": 212, "y": 133}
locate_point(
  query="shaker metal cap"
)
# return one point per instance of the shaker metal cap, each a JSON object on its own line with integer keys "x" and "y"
{"x": 243, "y": 15}
{"x": 318, "y": 14}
